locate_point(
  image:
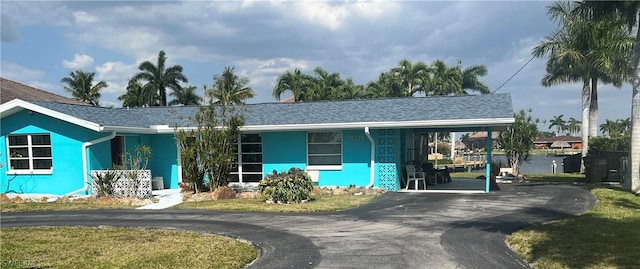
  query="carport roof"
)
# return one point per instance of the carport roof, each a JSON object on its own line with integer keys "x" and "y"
{"x": 467, "y": 112}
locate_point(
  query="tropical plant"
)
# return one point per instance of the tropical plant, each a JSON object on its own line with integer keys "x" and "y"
{"x": 583, "y": 51}
{"x": 615, "y": 143}
{"x": 208, "y": 150}
{"x": 517, "y": 140}
{"x": 292, "y": 186}
{"x": 444, "y": 80}
{"x": 411, "y": 76}
{"x": 470, "y": 79}
{"x": 573, "y": 126}
{"x": 158, "y": 78}
{"x": 610, "y": 128}
{"x": 325, "y": 85}
{"x": 628, "y": 11}
{"x": 135, "y": 95}
{"x": 387, "y": 85}
{"x": 185, "y": 96}
{"x": 229, "y": 89}
{"x": 80, "y": 85}
{"x": 296, "y": 82}
{"x": 559, "y": 123}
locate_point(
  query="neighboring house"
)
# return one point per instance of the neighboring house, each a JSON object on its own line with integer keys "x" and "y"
{"x": 10, "y": 90}
{"x": 573, "y": 142}
{"x": 340, "y": 143}
{"x": 478, "y": 140}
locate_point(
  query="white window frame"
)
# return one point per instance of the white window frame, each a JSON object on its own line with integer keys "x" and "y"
{"x": 325, "y": 167}
{"x": 30, "y": 158}
{"x": 241, "y": 172}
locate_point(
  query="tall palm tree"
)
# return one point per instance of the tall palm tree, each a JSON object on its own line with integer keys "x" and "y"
{"x": 581, "y": 51}
{"x": 159, "y": 77}
{"x": 186, "y": 96}
{"x": 610, "y": 127}
{"x": 325, "y": 85}
{"x": 559, "y": 123}
{"x": 412, "y": 76}
{"x": 573, "y": 125}
{"x": 350, "y": 90}
{"x": 135, "y": 95}
{"x": 387, "y": 85}
{"x": 470, "y": 79}
{"x": 80, "y": 85}
{"x": 296, "y": 82}
{"x": 627, "y": 10}
{"x": 230, "y": 89}
{"x": 444, "y": 80}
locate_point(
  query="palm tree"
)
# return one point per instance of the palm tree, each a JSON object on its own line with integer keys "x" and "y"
{"x": 470, "y": 78}
{"x": 135, "y": 95}
{"x": 296, "y": 82}
{"x": 412, "y": 76}
{"x": 325, "y": 85}
{"x": 186, "y": 96}
{"x": 80, "y": 85}
{"x": 387, "y": 85}
{"x": 627, "y": 10}
{"x": 582, "y": 51}
{"x": 444, "y": 80}
{"x": 559, "y": 123}
{"x": 624, "y": 125}
{"x": 229, "y": 89}
{"x": 610, "y": 127}
{"x": 573, "y": 125}
{"x": 159, "y": 78}
{"x": 350, "y": 90}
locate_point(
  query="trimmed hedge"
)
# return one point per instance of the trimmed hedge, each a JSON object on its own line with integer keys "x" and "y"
{"x": 292, "y": 186}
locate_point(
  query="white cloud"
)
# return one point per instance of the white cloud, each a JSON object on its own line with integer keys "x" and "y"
{"x": 117, "y": 75}
{"x": 17, "y": 72}
{"x": 80, "y": 61}
{"x": 84, "y": 17}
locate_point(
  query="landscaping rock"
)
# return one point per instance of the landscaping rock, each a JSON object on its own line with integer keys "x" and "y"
{"x": 326, "y": 191}
{"x": 223, "y": 193}
{"x": 249, "y": 195}
{"x": 316, "y": 190}
{"x": 340, "y": 191}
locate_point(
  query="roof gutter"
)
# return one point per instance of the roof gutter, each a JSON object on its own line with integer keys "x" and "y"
{"x": 372, "y": 168}
{"x": 85, "y": 163}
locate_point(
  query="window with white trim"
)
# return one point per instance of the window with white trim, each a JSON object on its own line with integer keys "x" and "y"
{"x": 324, "y": 149}
{"x": 31, "y": 152}
{"x": 247, "y": 166}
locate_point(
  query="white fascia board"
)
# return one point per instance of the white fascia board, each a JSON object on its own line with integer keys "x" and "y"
{"x": 492, "y": 122}
{"x": 131, "y": 130}
{"x": 14, "y": 104}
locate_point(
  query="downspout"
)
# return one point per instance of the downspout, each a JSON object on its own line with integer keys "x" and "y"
{"x": 372, "y": 171}
{"x": 85, "y": 164}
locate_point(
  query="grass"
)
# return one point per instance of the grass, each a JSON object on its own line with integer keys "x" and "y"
{"x": 608, "y": 236}
{"x": 42, "y": 206}
{"x": 318, "y": 203}
{"x": 557, "y": 178}
{"x": 95, "y": 247}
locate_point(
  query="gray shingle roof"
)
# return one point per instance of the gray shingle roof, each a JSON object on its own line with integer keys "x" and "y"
{"x": 470, "y": 107}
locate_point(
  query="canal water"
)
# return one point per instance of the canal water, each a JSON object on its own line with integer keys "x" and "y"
{"x": 537, "y": 164}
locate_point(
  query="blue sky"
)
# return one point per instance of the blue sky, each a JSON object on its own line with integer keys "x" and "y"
{"x": 42, "y": 41}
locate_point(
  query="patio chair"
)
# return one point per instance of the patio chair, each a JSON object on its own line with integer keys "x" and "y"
{"x": 415, "y": 176}
{"x": 434, "y": 175}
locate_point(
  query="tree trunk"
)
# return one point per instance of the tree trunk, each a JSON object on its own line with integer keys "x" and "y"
{"x": 634, "y": 155}
{"x": 585, "y": 121}
{"x": 593, "y": 108}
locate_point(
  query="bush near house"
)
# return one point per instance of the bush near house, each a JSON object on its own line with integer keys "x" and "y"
{"x": 292, "y": 186}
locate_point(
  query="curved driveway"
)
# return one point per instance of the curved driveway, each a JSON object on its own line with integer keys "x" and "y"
{"x": 397, "y": 230}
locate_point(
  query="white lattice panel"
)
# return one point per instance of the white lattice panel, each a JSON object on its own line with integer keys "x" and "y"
{"x": 126, "y": 186}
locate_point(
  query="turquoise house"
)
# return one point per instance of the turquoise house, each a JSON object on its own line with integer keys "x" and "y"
{"x": 51, "y": 148}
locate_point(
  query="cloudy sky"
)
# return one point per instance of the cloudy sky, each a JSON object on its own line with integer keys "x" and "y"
{"x": 42, "y": 41}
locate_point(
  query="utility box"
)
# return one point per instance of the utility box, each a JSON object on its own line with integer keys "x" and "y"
{"x": 595, "y": 168}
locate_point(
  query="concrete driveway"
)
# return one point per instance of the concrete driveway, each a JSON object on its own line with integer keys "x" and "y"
{"x": 397, "y": 230}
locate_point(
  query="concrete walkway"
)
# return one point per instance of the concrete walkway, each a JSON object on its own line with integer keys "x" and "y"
{"x": 166, "y": 198}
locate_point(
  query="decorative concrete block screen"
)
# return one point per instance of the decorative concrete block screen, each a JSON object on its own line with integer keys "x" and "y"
{"x": 386, "y": 151}
{"x": 124, "y": 186}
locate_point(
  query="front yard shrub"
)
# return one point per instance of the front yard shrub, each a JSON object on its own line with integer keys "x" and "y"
{"x": 104, "y": 182}
{"x": 292, "y": 186}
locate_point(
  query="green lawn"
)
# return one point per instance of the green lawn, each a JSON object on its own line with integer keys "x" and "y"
{"x": 39, "y": 206}
{"x": 608, "y": 236}
{"x": 316, "y": 204}
{"x": 93, "y": 247}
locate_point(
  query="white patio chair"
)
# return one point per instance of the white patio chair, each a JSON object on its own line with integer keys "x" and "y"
{"x": 415, "y": 176}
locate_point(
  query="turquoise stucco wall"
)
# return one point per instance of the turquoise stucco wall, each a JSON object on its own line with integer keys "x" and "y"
{"x": 66, "y": 151}
{"x": 283, "y": 150}
{"x": 388, "y": 159}
{"x": 164, "y": 155}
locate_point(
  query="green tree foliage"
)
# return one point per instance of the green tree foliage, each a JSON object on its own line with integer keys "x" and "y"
{"x": 292, "y": 186}
{"x": 517, "y": 140}
{"x": 80, "y": 85}
{"x": 617, "y": 142}
{"x": 185, "y": 96}
{"x": 135, "y": 95}
{"x": 158, "y": 78}
{"x": 209, "y": 150}
{"x": 230, "y": 89}
{"x": 559, "y": 123}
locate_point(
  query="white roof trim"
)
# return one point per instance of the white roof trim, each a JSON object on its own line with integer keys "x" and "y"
{"x": 16, "y": 105}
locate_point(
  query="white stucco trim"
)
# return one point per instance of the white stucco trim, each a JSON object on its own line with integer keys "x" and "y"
{"x": 17, "y": 105}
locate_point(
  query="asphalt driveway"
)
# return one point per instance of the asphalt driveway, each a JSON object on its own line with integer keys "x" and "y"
{"x": 397, "y": 230}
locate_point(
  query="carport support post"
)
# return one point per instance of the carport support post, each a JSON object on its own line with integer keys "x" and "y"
{"x": 488, "y": 163}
